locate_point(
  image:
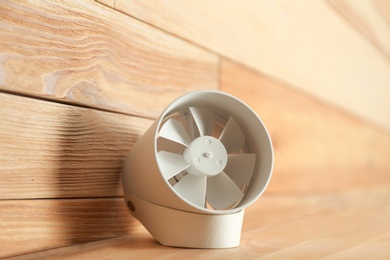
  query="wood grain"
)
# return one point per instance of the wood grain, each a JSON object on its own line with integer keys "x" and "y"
{"x": 274, "y": 227}
{"x": 307, "y": 44}
{"x": 317, "y": 148}
{"x": 60, "y": 163}
{"x": 370, "y": 18}
{"x": 50, "y": 150}
{"x": 83, "y": 52}
{"x": 34, "y": 225}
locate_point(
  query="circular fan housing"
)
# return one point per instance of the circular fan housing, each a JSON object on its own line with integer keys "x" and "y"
{"x": 188, "y": 179}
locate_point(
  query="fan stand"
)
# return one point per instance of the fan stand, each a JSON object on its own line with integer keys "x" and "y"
{"x": 187, "y": 229}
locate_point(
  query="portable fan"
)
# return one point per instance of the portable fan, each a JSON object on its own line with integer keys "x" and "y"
{"x": 190, "y": 177}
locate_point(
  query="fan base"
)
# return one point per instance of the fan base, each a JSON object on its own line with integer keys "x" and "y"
{"x": 178, "y": 228}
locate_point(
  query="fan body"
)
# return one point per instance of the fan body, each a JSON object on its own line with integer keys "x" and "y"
{"x": 201, "y": 163}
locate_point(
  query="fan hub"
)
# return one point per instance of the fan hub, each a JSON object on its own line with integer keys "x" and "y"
{"x": 206, "y": 155}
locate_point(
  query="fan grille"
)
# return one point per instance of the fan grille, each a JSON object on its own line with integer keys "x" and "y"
{"x": 177, "y": 133}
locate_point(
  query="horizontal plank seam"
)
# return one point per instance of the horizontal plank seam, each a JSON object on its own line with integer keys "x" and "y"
{"x": 163, "y": 30}
{"x": 351, "y": 23}
{"x": 62, "y": 198}
{"x": 287, "y": 84}
{"x": 307, "y": 95}
{"x": 69, "y": 103}
{"x": 329, "y": 195}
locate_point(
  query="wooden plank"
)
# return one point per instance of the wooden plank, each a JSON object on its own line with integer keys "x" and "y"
{"x": 370, "y": 18}
{"x": 317, "y": 51}
{"x": 50, "y": 150}
{"x": 375, "y": 248}
{"x": 34, "y": 225}
{"x": 83, "y": 52}
{"x": 348, "y": 223}
{"x": 317, "y": 148}
{"x": 274, "y": 227}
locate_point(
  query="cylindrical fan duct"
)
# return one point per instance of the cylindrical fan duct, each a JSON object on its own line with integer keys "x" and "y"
{"x": 207, "y": 154}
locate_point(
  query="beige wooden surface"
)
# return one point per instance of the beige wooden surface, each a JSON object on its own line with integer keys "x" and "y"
{"x": 371, "y": 18}
{"x": 35, "y": 225}
{"x": 317, "y": 148}
{"x": 307, "y": 205}
{"x": 306, "y": 43}
{"x": 84, "y": 53}
{"x": 51, "y": 150}
{"x": 80, "y": 83}
{"x": 356, "y": 226}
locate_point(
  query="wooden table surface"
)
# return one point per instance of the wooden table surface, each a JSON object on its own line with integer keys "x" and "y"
{"x": 338, "y": 226}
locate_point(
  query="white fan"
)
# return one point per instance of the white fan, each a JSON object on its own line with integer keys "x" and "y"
{"x": 189, "y": 178}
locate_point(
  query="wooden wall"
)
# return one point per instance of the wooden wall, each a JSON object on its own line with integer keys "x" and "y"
{"x": 80, "y": 82}
{"x": 336, "y": 50}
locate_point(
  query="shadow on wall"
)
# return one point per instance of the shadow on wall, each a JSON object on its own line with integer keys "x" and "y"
{"x": 93, "y": 145}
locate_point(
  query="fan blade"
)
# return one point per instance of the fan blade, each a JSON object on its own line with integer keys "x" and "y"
{"x": 222, "y": 191}
{"x": 171, "y": 164}
{"x": 191, "y": 126}
{"x": 192, "y": 188}
{"x": 175, "y": 131}
{"x": 240, "y": 168}
{"x": 204, "y": 120}
{"x": 232, "y": 137}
